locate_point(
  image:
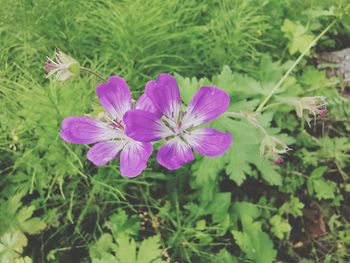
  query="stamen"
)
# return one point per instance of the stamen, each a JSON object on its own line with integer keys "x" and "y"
{"x": 118, "y": 124}
{"x": 168, "y": 125}
{"x": 179, "y": 119}
{"x": 49, "y": 66}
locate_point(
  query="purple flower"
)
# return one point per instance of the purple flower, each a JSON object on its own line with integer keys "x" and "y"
{"x": 166, "y": 120}
{"x": 109, "y": 137}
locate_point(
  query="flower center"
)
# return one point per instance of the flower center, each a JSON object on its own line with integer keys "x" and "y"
{"x": 178, "y": 127}
{"x": 118, "y": 125}
{"x": 175, "y": 125}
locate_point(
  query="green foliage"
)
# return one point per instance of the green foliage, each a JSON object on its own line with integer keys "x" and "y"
{"x": 120, "y": 223}
{"x": 318, "y": 186}
{"x": 293, "y": 207}
{"x": 255, "y": 243}
{"x": 280, "y": 226}
{"x": 219, "y": 209}
{"x": 126, "y": 250}
{"x": 17, "y": 221}
{"x": 11, "y": 246}
{"x": 298, "y": 36}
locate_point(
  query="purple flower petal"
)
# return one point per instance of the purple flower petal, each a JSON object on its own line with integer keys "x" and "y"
{"x": 115, "y": 97}
{"x": 134, "y": 157}
{"x": 144, "y": 103}
{"x": 174, "y": 153}
{"x": 82, "y": 130}
{"x": 165, "y": 95}
{"x": 103, "y": 152}
{"x": 209, "y": 142}
{"x": 207, "y": 104}
{"x": 145, "y": 126}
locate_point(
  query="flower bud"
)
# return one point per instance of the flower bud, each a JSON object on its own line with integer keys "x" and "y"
{"x": 313, "y": 107}
{"x": 64, "y": 66}
{"x": 272, "y": 147}
{"x": 309, "y": 107}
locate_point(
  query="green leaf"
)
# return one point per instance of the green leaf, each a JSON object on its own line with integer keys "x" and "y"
{"x": 14, "y": 203}
{"x": 224, "y": 257}
{"x": 29, "y": 225}
{"x": 255, "y": 243}
{"x": 237, "y": 167}
{"x": 318, "y": 172}
{"x": 120, "y": 222}
{"x": 225, "y": 80}
{"x": 220, "y": 206}
{"x": 280, "y": 226}
{"x": 317, "y": 81}
{"x": 206, "y": 169}
{"x": 245, "y": 208}
{"x": 23, "y": 260}
{"x": 245, "y": 151}
{"x": 11, "y": 246}
{"x": 126, "y": 249}
{"x": 101, "y": 251}
{"x": 219, "y": 210}
{"x": 324, "y": 189}
{"x": 299, "y": 38}
{"x": 205, "y": 172}
{"x": 293, "y": 207}
{"x": 318, "y": 186}
{"x": 20, "y": 217}
{"x": 200, "y": 225}
{"x": 149, "y": 251}
{"x": 245, "y": 142}
{"x": 270, "y": 72}
{"x": 188, "y": 87}
{"x": 33, "y": 226}
{"x": 268, "y": 171}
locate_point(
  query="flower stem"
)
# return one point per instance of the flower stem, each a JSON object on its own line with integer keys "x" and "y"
{"x": 296, "y": 62}
{"x": 83, "y": 69}
{"x": 235, "y": 114}
{"x": 273, "y": 105}
{"x": 250, "y": 117}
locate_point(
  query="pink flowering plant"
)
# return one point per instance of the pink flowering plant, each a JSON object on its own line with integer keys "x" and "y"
{"x": 127, "y": 132}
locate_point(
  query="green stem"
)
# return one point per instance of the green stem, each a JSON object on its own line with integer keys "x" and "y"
{"x": 250, "y": 117}
{"x": 271, "y": 106}
{"x": 234, "y": 114}
{"x": 341, "y": 171}
{"x": 83, "y": 69}
{"x": 296, "y": 62}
